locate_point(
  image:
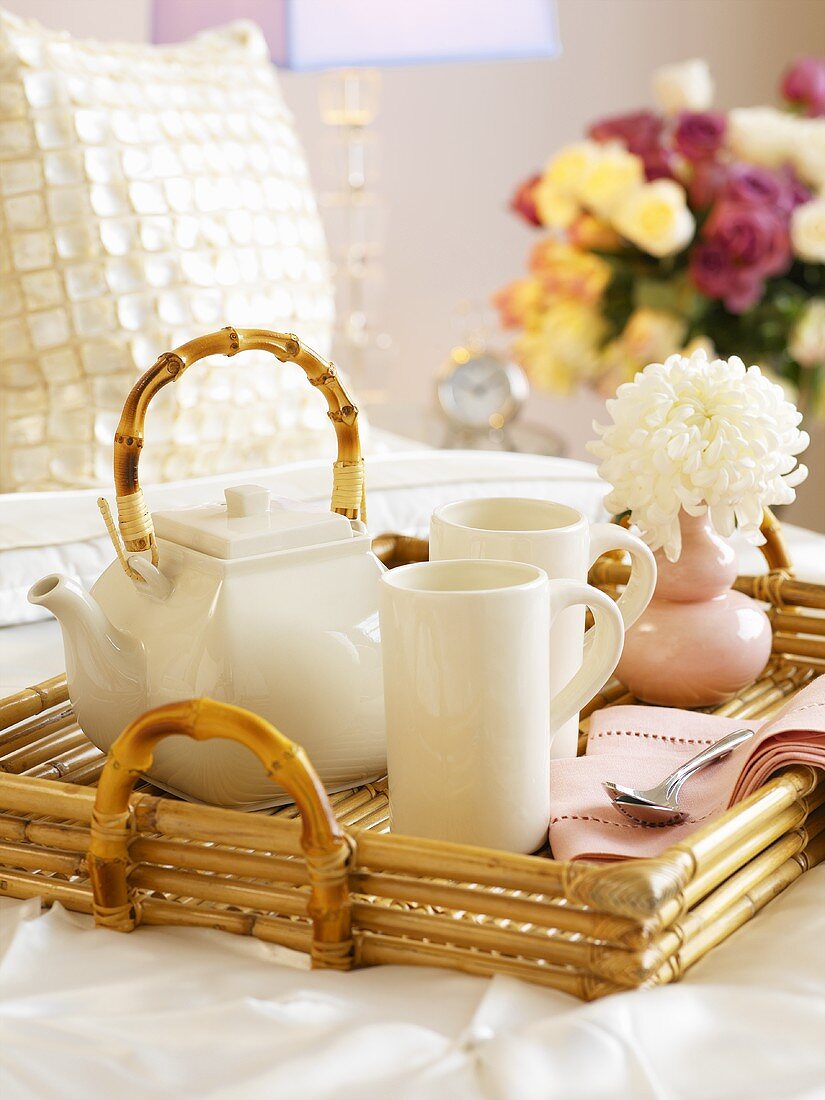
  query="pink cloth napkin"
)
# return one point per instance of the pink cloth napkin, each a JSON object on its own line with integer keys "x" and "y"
{"x": 639, "y": 746}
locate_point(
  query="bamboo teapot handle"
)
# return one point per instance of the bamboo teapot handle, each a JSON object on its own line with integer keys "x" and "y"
{"x": 134, "y": 518}
{"x": 324, "y": 843}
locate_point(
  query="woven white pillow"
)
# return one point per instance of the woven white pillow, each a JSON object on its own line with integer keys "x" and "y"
{"x": 149, "y": 195}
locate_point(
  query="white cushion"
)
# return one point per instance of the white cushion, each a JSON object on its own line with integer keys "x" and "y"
{"x": 149, "y": 195}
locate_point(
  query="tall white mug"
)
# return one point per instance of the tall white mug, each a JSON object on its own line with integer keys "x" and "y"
{"x": 560, "y": 540}
{"x": 465, "y": 647}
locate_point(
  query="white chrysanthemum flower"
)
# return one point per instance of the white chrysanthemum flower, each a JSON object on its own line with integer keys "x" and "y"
{"x": 699, "y": 435}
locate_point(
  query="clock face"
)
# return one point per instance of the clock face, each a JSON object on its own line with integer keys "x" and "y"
{"x": 483, "y": 392}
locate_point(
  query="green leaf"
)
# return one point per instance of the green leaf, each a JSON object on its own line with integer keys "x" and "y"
{"x": 657, "y": 295}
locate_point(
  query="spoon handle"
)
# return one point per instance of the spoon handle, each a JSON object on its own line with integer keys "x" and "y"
{"x": 707, "y": 756}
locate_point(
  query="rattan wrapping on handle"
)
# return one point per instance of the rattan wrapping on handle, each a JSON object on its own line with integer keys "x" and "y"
{"x": 348, "y": 492}
{"x": 323, "y": 842}
{"x": 134, "y": 518}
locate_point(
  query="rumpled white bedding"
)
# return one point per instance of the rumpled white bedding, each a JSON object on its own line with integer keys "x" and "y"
{"x": 188, "y": 1013}
{"x": 162, "y": 1012}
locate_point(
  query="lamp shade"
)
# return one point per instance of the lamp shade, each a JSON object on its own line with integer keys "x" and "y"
{"x": 323, "y": 34}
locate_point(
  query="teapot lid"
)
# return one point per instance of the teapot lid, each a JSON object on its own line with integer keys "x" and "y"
{"x": 250, "y": 523}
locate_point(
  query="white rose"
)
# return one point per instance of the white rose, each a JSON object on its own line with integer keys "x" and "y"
{"x": 807, "y": 343}
{"x": 808, "y": 156}
{"x": 655, "y": 218}
{"x": 763, "y": 135}
{"x": 808, "y": 231}
{"x": 687, "y": 86}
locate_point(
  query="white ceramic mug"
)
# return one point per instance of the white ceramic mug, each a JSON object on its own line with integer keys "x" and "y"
{"x": 465, "y": 648}
{"x": 560, "y": 540}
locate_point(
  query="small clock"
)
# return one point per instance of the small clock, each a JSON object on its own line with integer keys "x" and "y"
{"x": 481, "y": 392}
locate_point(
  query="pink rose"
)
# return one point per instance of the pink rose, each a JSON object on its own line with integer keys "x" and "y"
{"x": 641, "y": 134}
{"x": 706, "y": 183}
{"x": 659, "y": 164}
{"x": 752, "y": 236}
{"x": 749, "y": 184}
{"x": 699, "y": 134}
{"x": 523, "y": 202}
{"x": 715, "y": 275}
{"x": 796, "y": 193}
{"x": 638, "y": 131}
{"x": 752, "y": 185}
{"x": 804, "y": 85}
{"x": 744, "y": 243}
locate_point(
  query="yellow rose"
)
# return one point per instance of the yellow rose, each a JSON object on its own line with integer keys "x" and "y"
{"x": 562, "y": 349}
{"x": 651, "y": 335}
{"x": 565, "y": 272}
{"x": 556, "y": 195}
{"x": 699, "y": 342}
{"x": 567, "y": 170}
{"x": 590, "y": 233}
{"x": 518, "y": 302}
{"x": 554, "y": 209}
{"x": 616, "y": 365}
{"x": 610, "y": 179}
{"x": 655, "y": 218}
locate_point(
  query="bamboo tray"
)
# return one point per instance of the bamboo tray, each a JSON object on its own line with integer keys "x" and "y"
{"x": 339, "y": 887}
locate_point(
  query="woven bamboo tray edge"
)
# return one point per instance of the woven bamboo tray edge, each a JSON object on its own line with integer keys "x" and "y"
{"x": 585, "y": 928}
{"x": 639, "y": 890}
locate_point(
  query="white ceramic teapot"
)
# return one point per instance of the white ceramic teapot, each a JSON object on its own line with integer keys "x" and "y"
{"x": 270, "y": 605}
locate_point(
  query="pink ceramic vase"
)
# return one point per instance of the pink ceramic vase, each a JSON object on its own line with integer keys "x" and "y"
{"x": 698, "y": 643}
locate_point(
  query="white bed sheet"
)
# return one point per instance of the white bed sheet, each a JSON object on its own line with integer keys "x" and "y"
{"x": 185, "y": 1013}
{"x": 86, "y": 1013}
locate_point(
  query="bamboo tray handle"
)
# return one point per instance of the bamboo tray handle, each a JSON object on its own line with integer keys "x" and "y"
{"x": 134, "y": 518}
{"x": 324, "y": 843}
{"x": 774, "y": 549}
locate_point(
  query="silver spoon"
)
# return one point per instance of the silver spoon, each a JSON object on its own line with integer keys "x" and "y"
{"x": 660, "y": 804}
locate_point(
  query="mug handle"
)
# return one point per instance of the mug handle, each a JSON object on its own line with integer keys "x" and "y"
{"x": 639, "y": 589}
{"x": 604, "y": 648}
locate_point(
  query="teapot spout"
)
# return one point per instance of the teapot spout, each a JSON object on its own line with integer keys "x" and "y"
{"x": 99, "y": 657}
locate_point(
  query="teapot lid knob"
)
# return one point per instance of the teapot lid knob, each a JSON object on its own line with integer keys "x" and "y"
{"x": 246, "y": 500}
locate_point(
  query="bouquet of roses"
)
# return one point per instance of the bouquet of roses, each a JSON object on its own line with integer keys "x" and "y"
{"x": 682, "y": 228}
